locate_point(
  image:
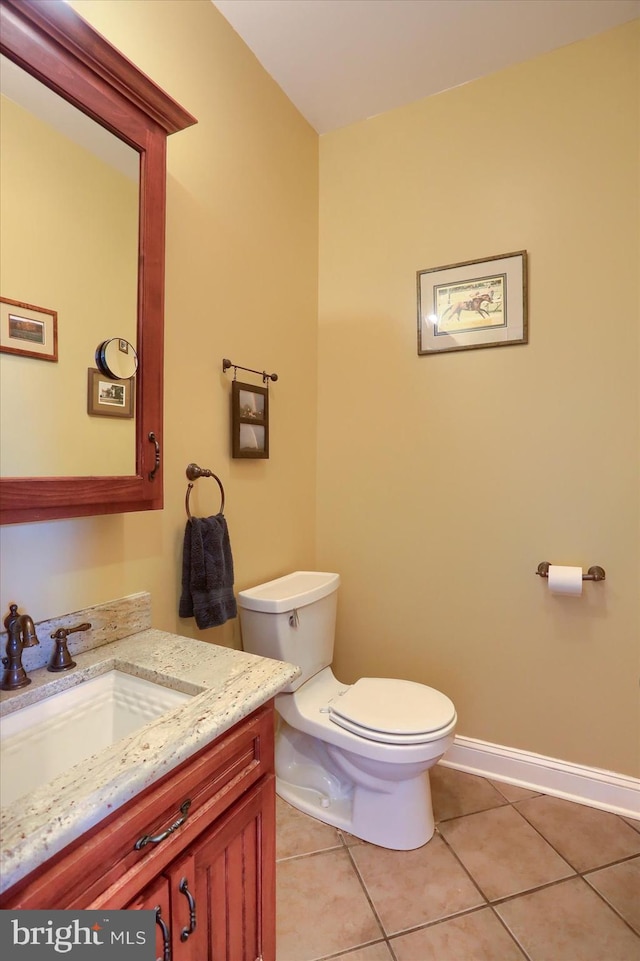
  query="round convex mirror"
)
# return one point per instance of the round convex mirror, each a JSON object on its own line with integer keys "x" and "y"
{"x": 116, "y": 358}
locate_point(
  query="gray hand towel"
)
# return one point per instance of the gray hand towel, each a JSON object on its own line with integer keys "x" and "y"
{"x": 207, "y": 572}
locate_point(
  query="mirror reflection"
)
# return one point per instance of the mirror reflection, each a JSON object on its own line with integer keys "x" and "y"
{"x": 117, "y": 359}
{"x": 69, "y": 194}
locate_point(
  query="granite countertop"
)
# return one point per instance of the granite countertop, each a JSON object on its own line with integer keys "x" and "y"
{"x": 226, "y": 685}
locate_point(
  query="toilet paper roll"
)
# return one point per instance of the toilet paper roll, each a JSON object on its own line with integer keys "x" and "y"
{"x": 565, "y": 580}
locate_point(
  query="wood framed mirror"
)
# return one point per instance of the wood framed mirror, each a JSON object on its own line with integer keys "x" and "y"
{"x": 57, "y": 47}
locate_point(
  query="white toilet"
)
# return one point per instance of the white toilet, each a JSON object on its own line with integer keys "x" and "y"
{"x": 354, "y": 756}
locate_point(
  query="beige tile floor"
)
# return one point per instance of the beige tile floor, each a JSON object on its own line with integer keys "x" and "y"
{"x": 509, "y": 875}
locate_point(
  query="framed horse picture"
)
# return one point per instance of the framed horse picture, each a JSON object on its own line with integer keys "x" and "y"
{"x": 480, "y": 303}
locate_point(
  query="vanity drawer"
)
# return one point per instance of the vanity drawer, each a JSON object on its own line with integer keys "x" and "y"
{"x": 211, "y": 780}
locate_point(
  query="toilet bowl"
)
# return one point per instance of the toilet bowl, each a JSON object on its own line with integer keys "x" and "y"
{"x": 354, "y": 756}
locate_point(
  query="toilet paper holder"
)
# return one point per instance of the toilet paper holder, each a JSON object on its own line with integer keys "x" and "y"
{"x": 594, "y": 573}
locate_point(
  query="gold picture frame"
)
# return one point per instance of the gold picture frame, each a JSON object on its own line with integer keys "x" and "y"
{"x": 479, "y": 303}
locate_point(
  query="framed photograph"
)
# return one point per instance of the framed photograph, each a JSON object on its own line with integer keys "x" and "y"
{"x": 249, "y": 420}
{"x": 110, "y": 398}
{"x": 481, "y": 303}
{"x": 28, "y": 330}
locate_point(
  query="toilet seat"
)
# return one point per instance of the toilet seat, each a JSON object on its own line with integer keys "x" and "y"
{"x": 393, "y": 711}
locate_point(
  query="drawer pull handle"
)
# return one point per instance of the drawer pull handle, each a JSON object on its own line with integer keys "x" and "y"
{"x": 191, "y": 901}
{"x": 156, "y": 838}
{"x": 166, "y": 943}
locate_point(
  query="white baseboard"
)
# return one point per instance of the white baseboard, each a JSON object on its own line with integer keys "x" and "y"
{"x": 585, "y": 785}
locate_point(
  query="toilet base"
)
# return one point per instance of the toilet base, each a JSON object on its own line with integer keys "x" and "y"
{"x": 396, "y": 814}
{"x": 387, "y": 831}
{"x": 337, "y": 813}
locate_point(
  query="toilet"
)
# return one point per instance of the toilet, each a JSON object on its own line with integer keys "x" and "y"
{"x": 354, "y": 756}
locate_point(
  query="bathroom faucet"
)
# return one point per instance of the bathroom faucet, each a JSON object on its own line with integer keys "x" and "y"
{"x": 61, "y": 658}
{"x": 21, "y": 633}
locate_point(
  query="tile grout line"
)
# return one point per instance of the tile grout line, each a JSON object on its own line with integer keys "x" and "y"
{"x": 511, "y": 933}
{"x": 344, "y": 953}
{"x": 540, "y": 887}
{"x": 580, "y": 874}
{"x": 554, "y": 884}
{"x": 308, "y": 854}
{"x": 453, "y": 917}
{"x": 576, "y": 871}
{"x": 463, "y": 866}
{"x": 564, "y": 857}
{"x": 549, "y": 884}
{"x": 371, "y": 904}
{"x": 340, "y": 846}
{"x": 488, "y": 903}
{"x": 388, "y": 939}
{"x": 343, "y": 846}
{"x": 612, "y": 907}
{"x": 577, "y": 874}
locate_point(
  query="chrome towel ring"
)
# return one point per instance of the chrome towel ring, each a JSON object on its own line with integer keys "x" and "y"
{"x": 193, "y": 473}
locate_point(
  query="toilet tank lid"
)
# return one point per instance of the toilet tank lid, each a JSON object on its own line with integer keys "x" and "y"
{"x": 288, "y": 592}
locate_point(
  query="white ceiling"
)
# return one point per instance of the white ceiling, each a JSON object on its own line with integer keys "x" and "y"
{"x": 341, "y": 61}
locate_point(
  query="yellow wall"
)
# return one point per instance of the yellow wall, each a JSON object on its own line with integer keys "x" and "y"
{"x": 444, "y": 480}
{"x": 69, "y": 242}
{"x": 241, "y": 282}
{"x": 441, "y": 481}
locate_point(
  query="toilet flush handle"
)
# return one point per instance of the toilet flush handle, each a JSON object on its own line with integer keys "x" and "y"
{"x": 294, "y": 620}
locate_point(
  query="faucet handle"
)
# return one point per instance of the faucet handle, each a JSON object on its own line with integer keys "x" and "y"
{"x": 61, "y": 658}
{"x": 63, "y": 632}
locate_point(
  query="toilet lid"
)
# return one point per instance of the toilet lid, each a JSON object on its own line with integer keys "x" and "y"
{"x": 393, "y": 711}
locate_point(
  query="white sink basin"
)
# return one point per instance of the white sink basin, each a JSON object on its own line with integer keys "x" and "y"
{"x": 44, "y": 739}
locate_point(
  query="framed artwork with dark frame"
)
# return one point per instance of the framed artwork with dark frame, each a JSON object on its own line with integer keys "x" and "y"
{"x": 480, "y": 303}
{"x": 28, "y": 330}
{"x": 109, "y": 398}
{"x": 249, "y": 420}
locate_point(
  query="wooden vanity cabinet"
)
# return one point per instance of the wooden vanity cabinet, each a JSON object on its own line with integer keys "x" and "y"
{"x": 211, "y": 879}
{"x": 156, "y": 898}
{"x": 217, "y": 902}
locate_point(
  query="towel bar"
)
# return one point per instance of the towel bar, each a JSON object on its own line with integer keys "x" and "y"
{"x": 226, "y": 364}
{"x": 193, "y": 473}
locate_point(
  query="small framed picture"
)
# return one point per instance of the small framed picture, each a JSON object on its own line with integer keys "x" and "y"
{"x": 28, "y": 330}
{"x": 109, "y": 398}
{"x": 249, "y": 420}
{"x": 480, "y": 303}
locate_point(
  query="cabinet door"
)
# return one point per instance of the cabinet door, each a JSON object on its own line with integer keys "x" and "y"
{"x": 156, "y": 898}
{"x": 223, "y": 890}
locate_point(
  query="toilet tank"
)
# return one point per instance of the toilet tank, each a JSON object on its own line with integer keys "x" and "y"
{"x": 292, "y": 619}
